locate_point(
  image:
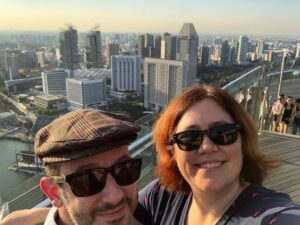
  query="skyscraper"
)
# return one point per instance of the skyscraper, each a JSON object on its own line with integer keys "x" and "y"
{"x": 68, "y": 40}
{"x": 163, "y": 80}
{"x": 168, "y": 46}
{"x": 234, "y": 45}
{"x": 204, "y": 55}
{"x": 126, "y": 73}
{"x": 243, "y": 50}
{"x": 93, "y": 50}
{"x": 225, "y": 53}
{"x": 259, "y": 49}
{"x": 187, "y": 49}
{"x": 113, "y": 49}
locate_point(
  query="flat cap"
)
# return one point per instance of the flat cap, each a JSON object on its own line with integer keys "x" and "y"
{"x": 83, "y": 133}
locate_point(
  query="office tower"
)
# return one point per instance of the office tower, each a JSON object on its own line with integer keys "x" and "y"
{"x": 259, "y": 49}
{"x": 298, "y": 50}
{"x": 68, "y": 45}
{"x": 83, "y": 93}
{"x": 11, "y": 63}
{"x": 225, "y": 49}
{"x": 54, "y": 81}
{"x": 157, "y": 46}
{"x": 113, "y": 49}
{"x": 234, "y": 46}
{"x": 163, "y": 80}
{"x": 243, "y": 50}
{"x": 187, "y": 49}
{"x": 93, "y": 50}
{"x": 204, "y": 55}
{"x": 217, "y": 41}
{"x": 168, "y": 46}
{"x": 126, "y": 73}
{"x": 140, "y": 45}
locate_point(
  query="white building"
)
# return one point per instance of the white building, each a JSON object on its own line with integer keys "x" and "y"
{"x": 298, "y": 50}
{"x": 126, "y": 73}
{"x": 163, "y": 80}
{"x": 243, "y": 50}
{"x": 54, "y": 82}
{"x": 82, "y": 93}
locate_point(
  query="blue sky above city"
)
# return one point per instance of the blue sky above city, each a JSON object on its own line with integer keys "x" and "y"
{"x": 279, "y": 17}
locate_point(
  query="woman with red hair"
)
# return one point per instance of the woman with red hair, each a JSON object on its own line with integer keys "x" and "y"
{"x": 209, "y": 167}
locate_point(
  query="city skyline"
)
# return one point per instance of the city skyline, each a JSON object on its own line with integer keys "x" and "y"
{"x": 276, "y": 17}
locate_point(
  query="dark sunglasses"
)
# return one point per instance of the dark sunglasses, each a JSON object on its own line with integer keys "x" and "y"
{"x": 92, "y": 181}
{"x": 190, "y": 140}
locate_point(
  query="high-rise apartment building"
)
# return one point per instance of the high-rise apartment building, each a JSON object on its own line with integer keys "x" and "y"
{"x": 85, "y": 93}
{"x": 163, "y": 80}
{"x": 126, "y": 73}
{"x": 168, "y": 47}
{"x": 93, "y": 50}
{"x": 68, "y": 45}
{"x": 54, "y": 81}
{"x": 187, "y": 49}
{"x": 298, "y": 50}
{"x": 113, "y": 49}
{"x": 243, "y": 50}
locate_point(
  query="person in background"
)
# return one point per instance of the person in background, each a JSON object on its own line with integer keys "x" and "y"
{"x": 296, "y": 121}
{"x": 90, "y": 173}
{"x": 287, "y": 113}
{"x": 210, "y": 170}
{"x": 276, "y": 110}
{"x": 239, "y": 96}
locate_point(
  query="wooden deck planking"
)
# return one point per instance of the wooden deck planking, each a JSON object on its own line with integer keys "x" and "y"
{"x": 287, "y": 148}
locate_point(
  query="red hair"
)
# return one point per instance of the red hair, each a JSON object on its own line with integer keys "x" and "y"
{"x": 255, "y": 164}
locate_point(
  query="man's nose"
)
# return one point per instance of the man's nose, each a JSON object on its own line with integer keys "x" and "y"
{"x": 112, "y": 192}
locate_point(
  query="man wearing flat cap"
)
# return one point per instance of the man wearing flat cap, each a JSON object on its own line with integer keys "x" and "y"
{"x": 90, "y": 174}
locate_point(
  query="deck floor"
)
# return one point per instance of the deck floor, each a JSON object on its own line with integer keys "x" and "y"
{"x": 286, "y": 178}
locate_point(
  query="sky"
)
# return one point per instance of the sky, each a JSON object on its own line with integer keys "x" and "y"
{"x": 277, "y": 17}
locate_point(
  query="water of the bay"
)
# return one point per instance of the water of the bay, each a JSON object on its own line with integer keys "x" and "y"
{"x": 9, "y": 179}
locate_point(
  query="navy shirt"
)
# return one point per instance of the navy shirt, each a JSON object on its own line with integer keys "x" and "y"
{"x": 256, "y": 205}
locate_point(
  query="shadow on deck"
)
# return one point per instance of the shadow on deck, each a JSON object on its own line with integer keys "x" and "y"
{"x": 287, "y": 147}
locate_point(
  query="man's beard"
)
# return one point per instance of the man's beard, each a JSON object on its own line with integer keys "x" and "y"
{"x": 79, "y": 218}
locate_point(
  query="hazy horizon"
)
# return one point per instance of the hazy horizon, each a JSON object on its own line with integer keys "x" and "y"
{"x": 269, "y": 17}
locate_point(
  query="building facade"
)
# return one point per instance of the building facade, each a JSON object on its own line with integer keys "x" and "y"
{"x": 187, "y": 50}
{"x": 68, "y": 45}
{"x": 84, "y": 93}
{"x": 93, "y": 50}
{"x": 54, "y": 81}
{"x": 163, "y": 80}
{"x": 126, "y": 73}
{"x": 243, "y": 50}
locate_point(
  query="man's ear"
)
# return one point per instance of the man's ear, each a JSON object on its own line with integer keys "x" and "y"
{"x": 50, "y": 189}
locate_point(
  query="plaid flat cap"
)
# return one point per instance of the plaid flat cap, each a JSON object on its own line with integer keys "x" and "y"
{"x": 83, "y": 133}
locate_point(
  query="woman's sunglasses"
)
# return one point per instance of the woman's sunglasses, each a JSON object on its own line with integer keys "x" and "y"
{"x": 92, "y": 181}
{"x": 190, "y": 140}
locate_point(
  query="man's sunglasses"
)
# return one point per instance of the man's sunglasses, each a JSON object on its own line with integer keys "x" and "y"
{"x": 190, "y": 140}
{"x": 92, "y": 181}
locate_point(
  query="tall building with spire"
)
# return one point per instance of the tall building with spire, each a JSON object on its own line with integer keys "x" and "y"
{"x": 93, "y": 50}
{"x": 68, "y": 45}
{"x": 187, "y": 50}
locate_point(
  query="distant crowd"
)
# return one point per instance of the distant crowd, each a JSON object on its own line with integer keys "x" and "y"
{"x": 284, "y": 113}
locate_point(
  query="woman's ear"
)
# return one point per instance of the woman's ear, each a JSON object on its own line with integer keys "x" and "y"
{"x": 51, "y": 190}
